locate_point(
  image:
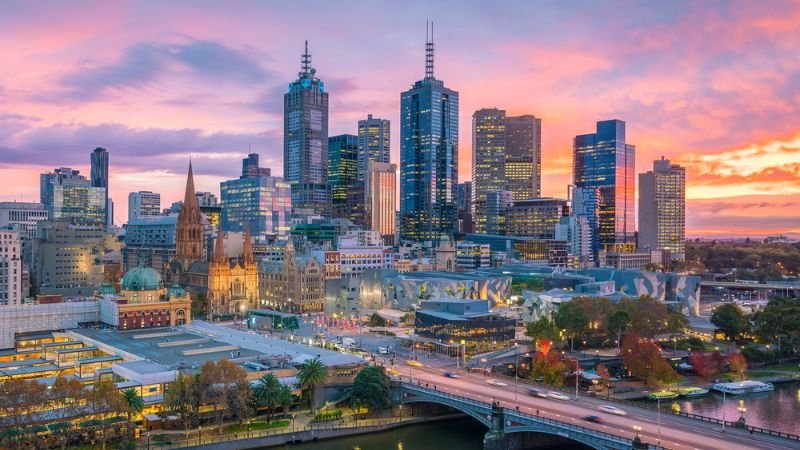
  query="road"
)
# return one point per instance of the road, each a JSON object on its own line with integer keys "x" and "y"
{"x": 676, "y": 432}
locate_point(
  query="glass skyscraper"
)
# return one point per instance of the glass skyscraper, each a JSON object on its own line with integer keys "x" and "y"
{"x": 428, "y": 157}
{"x": 342, "y": 171}
{"x": 604, "y": 161}
{"x": 67, "y": 195}
{"x": 523, "y": 151}
{"x": 263, "y": 203}
{"x": 99, "y": 178}
{"x": 373, "y": 143}
{"x": 305, "y": 140}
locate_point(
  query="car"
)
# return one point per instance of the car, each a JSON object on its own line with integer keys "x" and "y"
{"x": 612, "y": 410}
{"x": 593, "y": 419}
{"x": 494, "y": 382}
{"x": 557, "y": 395}
{"x": 539, "y": 379}
{"x": 451, "y": 375}
{"x": 413, "y": 363}
{"x": 537, "y": 393}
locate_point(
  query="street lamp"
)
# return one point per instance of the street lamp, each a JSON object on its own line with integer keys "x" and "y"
{"x": 742, "y": 410}
{"x": 637, "y": 441}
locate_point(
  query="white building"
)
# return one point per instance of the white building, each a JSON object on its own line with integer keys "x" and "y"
{"x": 22, "y": 216}
{"x": 10, "y": 268}
{"x": 143, "y": 203}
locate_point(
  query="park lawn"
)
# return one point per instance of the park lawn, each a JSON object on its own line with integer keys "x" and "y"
{"x": 785, "y": 367}
{"x": 255, "y": 426}
{"x": 760, "y": 373}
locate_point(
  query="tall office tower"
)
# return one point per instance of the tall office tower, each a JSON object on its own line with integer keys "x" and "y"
{"x": 536, "y": 217}
{"x": 380, "y": 199}
{"x": 342, "y": 171}
{"x": 264, "y": 204}
{"x": 586, "y": 203}
{"x": 67, "y": 195}
{"x": 251, "y": 168}
{"x": 429, "y": 155}
{"x": 605, "y": 161}
{"x": 524, "y": 156}
{"x": 464, "y": 196}
{"x": 305, "y": 140}
{"x": 495, "y": 208}
{"x": 662, "y": 208}
{"x": 189, "y": 240}
{"x": 488, "y": 160}
{"x": 143, "y": 203}
{"x": 10, "y": 267}
{"x": 99, "y": 178}
{"x": 22, "y": 216}
{"x": 373, "y": 143}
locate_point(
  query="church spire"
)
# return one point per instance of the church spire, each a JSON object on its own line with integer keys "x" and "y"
{"x": 219, "y": 247}
{"x": 189, "y": 229}
{"x": 247, "y": 250}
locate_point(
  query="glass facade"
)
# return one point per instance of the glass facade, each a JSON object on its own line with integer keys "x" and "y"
{"x": 604, "y": 161}
{"x": 373, "y": 143}
{"x": 68, "y": 195}
{"x": 263, "y": 203}
{"x": 488, "y": 160}
{"x": 523, "y": 156}
{"x": 535, "y": 218}
{"x": 342, "y": 171}
{"x": 429, "y": 161}
{"x": 305, "y": 141}
{"x": 477, "y": 328}
{"x": 99, "y": 178}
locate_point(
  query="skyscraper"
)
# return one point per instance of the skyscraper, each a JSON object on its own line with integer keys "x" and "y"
{"x": 586, "y": 204}
{"x": 261, "y": 204}
{"x": 10, "y": 267}
{"x": 252, "y": 169}
{"x": 99, "y": 178}
{"x": 429, "y": 155}
{"x": 67, "y": 195}
{"x": 605, "y": 161}
{"x": 342, "y": 171}
{"x": 380, "y": 198}
{"x": 662, "y": 208}
{"x": 373, "y": 143}
{"x": 143, "y": 203}
{"x": 506, "y": 153}
{"x": 524, "y": 156}
{"x": 305, "y": 140}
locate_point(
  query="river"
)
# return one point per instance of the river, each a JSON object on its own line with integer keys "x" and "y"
{"x": 777, "y": 410}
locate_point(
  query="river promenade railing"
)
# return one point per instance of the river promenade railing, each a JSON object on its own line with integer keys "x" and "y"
{"x": 653, "y": 407}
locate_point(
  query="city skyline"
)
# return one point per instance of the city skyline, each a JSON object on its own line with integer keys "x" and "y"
{"x": 169, "y": 90}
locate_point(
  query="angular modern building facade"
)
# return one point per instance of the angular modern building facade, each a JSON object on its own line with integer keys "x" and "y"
{"x": 662, "y": 209}
{"x": 373, "y": 143}
{"x": 606, "y": 162}
{"x": 380, "y": 199}
{"x": 305, "y": 140}
{"x": 343, "y": 160}
{"x": 68, "y": 195}
{"x": 429, "y": 156}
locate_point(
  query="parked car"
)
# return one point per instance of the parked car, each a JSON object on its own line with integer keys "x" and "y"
{"x": 593, "y": 419}
{"x": 494, "y": 382}
{"x": 612, "y": 410}
{"x": 557, "y": 395}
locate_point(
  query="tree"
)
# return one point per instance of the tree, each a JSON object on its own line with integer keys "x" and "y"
{"x": 779, "y": 322}
{"x": 643, "y": 359}
{"x": 285, "y": 398}
{"x": 737, "y": 363}
{"x": 549, "y": 367}
{"x": 648, "y": 317}
{"x": 371, "y": 388}
{"x": 706, "y": 365}
{"x": 183, "y": 397}
{"x": 311, "y": 374}
{"x": 105, "y": 402}
{"x": 571, "y": 318}
{"x": 266, "y": 393}
{"x": 730, "y": 320}
{"x": 618, "y": 322}
{"x": 541, "y": 330}
{"x": 223, "y": 384}
{"x": 66, "y": 397}
{"x": 134, "y": 403}
{"x": 375, "y": 320}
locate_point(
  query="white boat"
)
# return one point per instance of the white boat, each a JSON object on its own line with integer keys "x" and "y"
{"x": 743, "y": 387}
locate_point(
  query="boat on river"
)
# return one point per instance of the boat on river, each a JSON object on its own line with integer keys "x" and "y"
{"x": 743, "y": 387}
{"x": 692, "y": 391}
{"x": 663, "y": 395}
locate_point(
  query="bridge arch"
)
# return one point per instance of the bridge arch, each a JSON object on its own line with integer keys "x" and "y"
{"x": 576, "y": 437}
{"x": 483, "y": 417}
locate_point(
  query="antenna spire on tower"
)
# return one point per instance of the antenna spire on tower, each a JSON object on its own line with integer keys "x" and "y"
{"x": 428, "y": 50}
{"x": 306, "y": 61}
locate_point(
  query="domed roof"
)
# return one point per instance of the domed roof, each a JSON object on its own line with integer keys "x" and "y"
{"x": 175, "y": 291}
{"x": 141, "y": 279}
{"x": 106, "y": 289}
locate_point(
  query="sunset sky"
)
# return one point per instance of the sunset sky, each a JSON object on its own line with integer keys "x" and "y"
{"x": 714, "y": 86}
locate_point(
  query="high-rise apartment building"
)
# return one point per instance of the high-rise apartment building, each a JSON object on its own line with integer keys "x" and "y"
{"x": 22, "y": 216}
{"x": 606, "y": 162}
{"x": 143, "y": 203}
{"x": 506, "y": 154}
{"x": 10, "y": 267}
{"x": 429, "y": 155}
{"x": 662, "y": 209}
{"x": 373, "y": 143}
{"x": 262, "y": 203}
{"x": 342, "y": 171}
{"x": 586, "y": 204}
{"x": 380, "y": 198}
{"x": 252, "y": 169}
{"x": 305, "y": 140}
{"x": 67, "y": 195}
{"x": 99, "y": 178}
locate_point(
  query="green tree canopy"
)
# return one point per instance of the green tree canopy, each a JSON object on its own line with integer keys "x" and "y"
{"x": 371, "y": 388}
{"x": 544, "y": 328}
{"x": 729, "y": 319}
{"x": 311, "y": 374}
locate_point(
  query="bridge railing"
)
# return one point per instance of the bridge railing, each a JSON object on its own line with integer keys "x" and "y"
{"x": 428, "y": 391}
{"x": 653, "y": 407}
